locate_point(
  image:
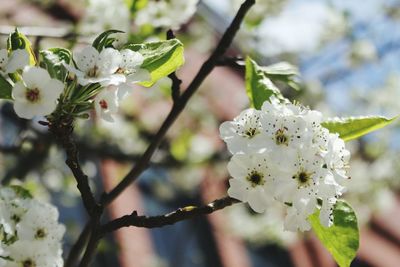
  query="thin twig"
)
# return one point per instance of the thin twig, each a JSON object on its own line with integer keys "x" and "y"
{"x": 167, "y": 219}
{"x": 179, "y": 105}
{"x": 76, "y": 249}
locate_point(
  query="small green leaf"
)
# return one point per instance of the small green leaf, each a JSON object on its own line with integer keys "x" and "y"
{"x": 285, "y": 72}
{"x": 354, "y": 127}
{"x": 160, "y": 58}
{"x": 342, "y": 238}
{"x": 16, "y": 41}
{"x": 259, "y": 87}
{"x": 104, "y": 40}
{"x": 135, "y": 5}
{"x": 20, "y": 191}
{"x": 52, "y": 59}
{"x": 5, "y": 88}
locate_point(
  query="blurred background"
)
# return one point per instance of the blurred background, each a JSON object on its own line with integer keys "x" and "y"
{"x": 348, "y": 55}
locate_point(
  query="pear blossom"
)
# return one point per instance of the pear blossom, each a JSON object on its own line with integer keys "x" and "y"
{"x": 166, "y": 14}
{"x": 11, "y": 62}
{"x": 244, "y": 133}
{"x": 30, "y": 234}
{"x": 36, "y": 94}
{"x": 251, "y": 178}
{"x": 106, "y": 103}
{"x": 97, "y": 67}
{"x": 296, "y": 161}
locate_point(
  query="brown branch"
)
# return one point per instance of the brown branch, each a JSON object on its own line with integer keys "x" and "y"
{"x": 180, "y": 104}
{"x": 62, "y": 130}
{"x": 176, "y": 82}
{"x": 167, "y": 219}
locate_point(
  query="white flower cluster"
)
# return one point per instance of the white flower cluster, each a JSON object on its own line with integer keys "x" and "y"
{"x": 36, "y": 93}
{"x": 166, "y": 13}
{"x": 282, "y": 152}
{"x": 30, "y": 232}
{"x": 113, "y": 69}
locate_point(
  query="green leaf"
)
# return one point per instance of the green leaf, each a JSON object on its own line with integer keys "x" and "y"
{"x": 342, "y": 238}
{"x": 16, "y": 41}
{"x": 160, "y": 58}
{"x": 104, "y": 40}
{"x": 355, "y": 127}
{"x": 259, "y": 87}
{"x": 285, "y": 72}
{"x": 20, "y": 191}
{"x": 52, "y": 59}
{"x": 135, "y": 5}
{"x": 5, "y": 88}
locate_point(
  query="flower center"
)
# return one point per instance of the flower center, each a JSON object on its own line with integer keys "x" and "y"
{"x": 255, "y": 178}
{"x": 103, "y": 104}
{"x": 32, "y": 95}
{"x": 28, "y": 263}
{"x": 303, "y": 178}
{"x": 281, "y": 138}
{"x": 251, "y": 132}
{"x": 93, "y": 72}
{"x": 40, "y": 233}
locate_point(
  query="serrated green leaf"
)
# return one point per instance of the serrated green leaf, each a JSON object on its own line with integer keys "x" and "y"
{"x": 104, "y": 40}
{"x": 5, "y": 88}
{"x": 20, "y": 191}
{"x": 16, "y": 41}
{"x": 342, "y": 238}
{"x": 259, "y": 87}
{"x": 160, "y": 58}
{"x": 52, "y": 59}
{"x": 354, "y": 127}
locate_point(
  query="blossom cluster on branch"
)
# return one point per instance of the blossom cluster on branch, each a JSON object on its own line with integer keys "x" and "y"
{"x": 30, "y": 232}
{"x": 282, "y": 153}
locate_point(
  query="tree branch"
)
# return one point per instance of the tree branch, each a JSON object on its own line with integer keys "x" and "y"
{"x": 62, "y": 130}
{"x": 176, "y": 82}
{"x": 167, "y": 219}
{"x": 180, "y": 104}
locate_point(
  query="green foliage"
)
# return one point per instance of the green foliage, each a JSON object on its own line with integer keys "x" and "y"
{"x": 160, "y": 58}
{"x": 342, "y": 238}
{"x": 135, "y": 5}
{"x": 52, "y": 59}
{"x": 5, "y": 88}
{"x": 20, "y": 191}
{"x": 354, "y": 127}
{"x": 259, "y": 87}
{"x": 284, "y": 72}
{"x": 104, "y": 40}
{"x": 16, "y": 41}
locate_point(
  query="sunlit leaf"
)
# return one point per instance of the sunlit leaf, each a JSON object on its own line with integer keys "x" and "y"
{"x": 16, "y": 41}
{"x": 52, "y": 60}
{"x": 354, "y": 127}
{"x": 160, "y": 58}
{"x": 342, "y": 238}
{"x": 259, "y": 87}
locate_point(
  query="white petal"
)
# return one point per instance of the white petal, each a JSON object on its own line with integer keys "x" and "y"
{"x": 131, "y": 60}
{"x": 238, "y": 190}
{"x": 17, "y": 61}
{"x": 35, "y": 77}
{"x": 87, "y": 58}
{"x": 109, "y": 61}
{"x": 140, "y": 75}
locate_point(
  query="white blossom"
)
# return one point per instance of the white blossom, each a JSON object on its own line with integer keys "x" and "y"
{"x": 17, "y": 60}
{"x": 244, "y": 133}
{"x": 95, "y": 67}
{"x": 251, "y": 180}
{"x": 36, "y": 94}
{"x": 166, "y": 14}
{"x": 295, "y": 160}
{"x": 106, "y": 103}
